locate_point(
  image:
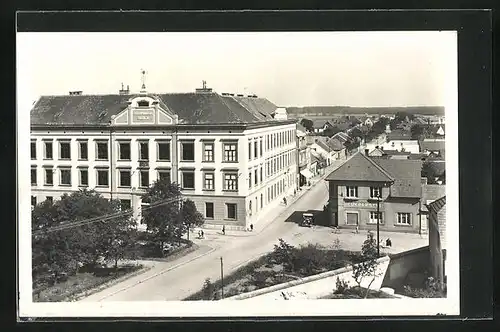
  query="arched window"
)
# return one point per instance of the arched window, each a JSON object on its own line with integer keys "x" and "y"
{"x": 143, "y": 103}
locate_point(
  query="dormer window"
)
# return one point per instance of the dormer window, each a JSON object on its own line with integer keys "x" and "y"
{"x": 143, "y": 103}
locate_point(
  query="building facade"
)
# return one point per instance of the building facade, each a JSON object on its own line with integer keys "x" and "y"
{"x": 229, "y": 159}
{"x": 364, "y": 191}
{"x": 437, "y": 239}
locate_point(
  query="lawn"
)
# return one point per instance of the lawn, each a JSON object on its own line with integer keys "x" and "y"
{"x": 80, "y": 282}
{"x": 285, "y": 263}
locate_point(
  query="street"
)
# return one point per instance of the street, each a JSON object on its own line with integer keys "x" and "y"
{"x": 178, "y": 279}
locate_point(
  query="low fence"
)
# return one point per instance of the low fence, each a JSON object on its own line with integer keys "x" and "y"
{"x": 404, "y": 264}
{"x": 315, "y": 286}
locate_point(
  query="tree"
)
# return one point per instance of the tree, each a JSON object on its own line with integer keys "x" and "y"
{"x": 308, "y": 124}
{"x": 417, "y": 132}
{"x": 330, "y": 131}
{"x": 367, "y": 267}
{"x": 191, "y": 216}
{"x": 429, "y": 172}
{"x": 162, "y": 218}
{"x": 355, "y": 133}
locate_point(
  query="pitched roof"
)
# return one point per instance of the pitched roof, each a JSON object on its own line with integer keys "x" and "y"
{"x": 335, "y": 144}
{"x": 192, "y": 108}
{"x": 320, "y": 123}
{"x": 322, "y": 144}
{"x": 342, "y": 137}
{"x": 432, "y": 192}
{"x": 437, "y": 205}
{"x": 399, "y": 135}
{"x": 432, "y": 145}
{"x": 406, "y": 174}
{"x": 360, "y": 168}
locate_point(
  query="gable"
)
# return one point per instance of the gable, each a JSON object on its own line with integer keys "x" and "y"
{"x": 144, "y": 110}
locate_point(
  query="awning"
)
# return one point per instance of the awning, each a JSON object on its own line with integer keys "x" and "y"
{"x": 307, "y": 173}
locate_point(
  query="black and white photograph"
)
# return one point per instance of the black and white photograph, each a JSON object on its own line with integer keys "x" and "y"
{"x": 238, "y": 173}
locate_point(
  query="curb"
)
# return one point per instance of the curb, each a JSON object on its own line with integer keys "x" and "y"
{"x": 158, "y": 274}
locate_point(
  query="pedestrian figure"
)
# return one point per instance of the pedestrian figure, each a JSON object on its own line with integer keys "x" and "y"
{"x": 284, "y": 200}
{"x": 223, "y": 230}
{"x": 388, "y": 242}
{"x": 294, "y": 192}
{"x": 251, "y": 227}
{"x": 357, "y": 229}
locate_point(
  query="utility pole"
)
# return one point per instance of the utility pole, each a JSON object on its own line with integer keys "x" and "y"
{"x": 222, "y": 277}
{"x": 378, "y": 221}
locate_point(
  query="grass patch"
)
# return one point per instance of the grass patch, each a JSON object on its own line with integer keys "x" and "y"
{"x": 79, "y": 283}
{"x": 359, "y": 293}
{"x": 285, "y": 263}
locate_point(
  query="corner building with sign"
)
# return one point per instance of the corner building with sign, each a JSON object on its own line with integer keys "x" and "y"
{"x": 229, "y": 154}
{"x": 365, "y": 190}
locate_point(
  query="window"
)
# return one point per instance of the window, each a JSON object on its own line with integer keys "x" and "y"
{"x": 125, "y": 204}
{"x": 33, "y": 177}
{"x": 352, "y": 218}
{"x": 208, "y": 151}
{"x": 143, "y": 151}
{"x": 208, "y": 183}
{"x": 144, "y": 181}
{"x": 33, "y": 150}
{"x": 143, "y": 103}
{"x": 164, "y": 175}
{"x": 373, "y": 217}
{"x": 49, "y": 177}
{"x": 351, "y": 192}
{"x": 83, "y": 150}
{"x": 230, "y": 181}
{"x": 250, "y": 179}
{"x": 187, "y": 151}
{"x": 65, "y": 179}
{"x": 404, "y": 218}
{"x": 49, "y": 199}
{"x": 231, "y": 211}
{"x": 64, "y": 150}
{"x": 33, "y": 201}
{"x": 124, "y": 178}
{"x": 188, "y": 180}
{"x": 261, "y": 201}
{"x": 102, "y": 177}
{"x": 48, "y": 150}
{"x": 124, "y": 150}
{"x": 260, "y": 147}
{"x": 164, "y": 151}
{"x": 261, "y": 177}
{"x": 375, "y": 192}
{"x": 84, "y": 177}
{"x": 256, "y": 179}
{"x": 102, "y": 150}
{"x": 230, "y": 152}
{"x": 209, "y": 210}
{"x": 250, "y": 150}
{"x": 255, "y": 148}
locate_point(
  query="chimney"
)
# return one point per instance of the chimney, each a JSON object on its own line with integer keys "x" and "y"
{"x": 75, "y": 93}
{"x": 123, "y": 91}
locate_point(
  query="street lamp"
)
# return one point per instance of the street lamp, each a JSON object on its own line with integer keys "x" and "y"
{"x": 379, "y": 197}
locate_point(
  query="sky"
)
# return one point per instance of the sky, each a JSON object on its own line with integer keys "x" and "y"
{"x": 288, "y": 68}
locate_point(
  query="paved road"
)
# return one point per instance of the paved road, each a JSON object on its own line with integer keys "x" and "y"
{"x": 186, "y": 276}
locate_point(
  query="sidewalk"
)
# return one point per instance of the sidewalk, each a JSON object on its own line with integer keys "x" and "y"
{"x": 276, "y": 208}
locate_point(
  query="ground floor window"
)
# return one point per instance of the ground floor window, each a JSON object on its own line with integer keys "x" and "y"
{"x": 33, "y": 201}
{"x": 164, "y": 175}
{"x": 49, "y": 199}
{"x": 231, "y": 210}
{"x": 373, "y": 217}
{"x": 404, "y": 218}
{"x": 352, "y": 218}
{"x": 188, "y": 180}
{"x": 209, "y": 210}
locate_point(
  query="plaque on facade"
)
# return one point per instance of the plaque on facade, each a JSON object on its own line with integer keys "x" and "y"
{"x": 143, "y": 116}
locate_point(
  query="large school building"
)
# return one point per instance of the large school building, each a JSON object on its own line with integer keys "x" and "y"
{"x": 229, "y": 153}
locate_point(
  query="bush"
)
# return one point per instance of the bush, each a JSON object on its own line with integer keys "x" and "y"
{"x": 432, "y": 289}
{"x": 342, "y": 286}
{"x": 208, "y": 290}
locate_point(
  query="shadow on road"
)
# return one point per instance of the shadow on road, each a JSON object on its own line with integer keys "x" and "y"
{"x": 319, "y": 217}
